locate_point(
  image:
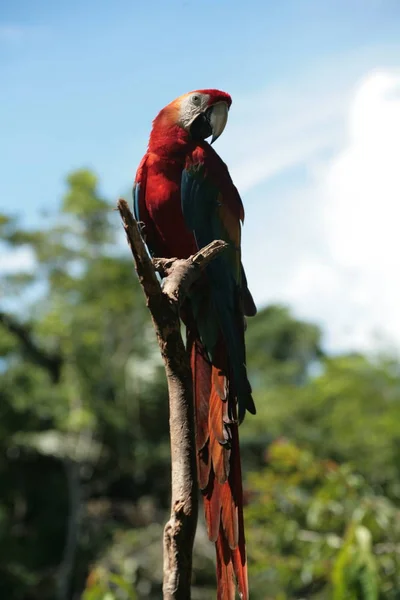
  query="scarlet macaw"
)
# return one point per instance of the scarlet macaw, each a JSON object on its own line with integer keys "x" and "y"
{"x": 185, "y": 197}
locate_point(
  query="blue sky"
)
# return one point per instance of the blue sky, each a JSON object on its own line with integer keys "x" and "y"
{"x": 81, "y": 82}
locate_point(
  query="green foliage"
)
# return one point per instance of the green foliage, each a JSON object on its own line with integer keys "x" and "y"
{"x": 280, "y": 348}
{"x": 84, "y": 461}
{"x": 108, "y": 586}
{"x": 316, "y": 529}
{"x": 80, "y": 381}
{"x": 82, "y": 200}
{"x": 354, "y": 572}
{"x": 351, "y": 412}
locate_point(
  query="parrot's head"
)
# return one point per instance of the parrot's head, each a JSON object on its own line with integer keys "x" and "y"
{"x": 196, "y": 115}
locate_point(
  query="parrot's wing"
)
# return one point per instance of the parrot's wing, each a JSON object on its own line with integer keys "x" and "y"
{"x": 212, "y": 210}
{"x": 139, "y": 190}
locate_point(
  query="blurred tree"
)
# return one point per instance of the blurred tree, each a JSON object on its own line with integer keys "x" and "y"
{"x": 280, "y": 348}
{"x": 316, "y": 529}
{"x": 349, "y": 412}
{"x": 84, "y": 405}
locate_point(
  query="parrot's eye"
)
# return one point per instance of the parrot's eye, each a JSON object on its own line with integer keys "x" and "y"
{"x": 196, "y": 99}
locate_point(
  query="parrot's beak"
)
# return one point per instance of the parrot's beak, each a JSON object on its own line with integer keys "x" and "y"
{"x": 218, "y": 117}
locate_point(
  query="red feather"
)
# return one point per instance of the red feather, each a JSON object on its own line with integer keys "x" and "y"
{"x": 219, "y": 471}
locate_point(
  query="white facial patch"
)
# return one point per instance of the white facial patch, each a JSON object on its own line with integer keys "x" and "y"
{"x": 191, "y": 107}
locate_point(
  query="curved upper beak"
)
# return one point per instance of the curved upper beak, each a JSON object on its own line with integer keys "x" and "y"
{"x": 218, "y": 118}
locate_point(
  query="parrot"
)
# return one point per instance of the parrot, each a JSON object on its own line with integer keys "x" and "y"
{"x": 184, "y": 198}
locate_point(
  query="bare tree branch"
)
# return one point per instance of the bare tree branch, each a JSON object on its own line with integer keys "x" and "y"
{"x": 163, "y": 304}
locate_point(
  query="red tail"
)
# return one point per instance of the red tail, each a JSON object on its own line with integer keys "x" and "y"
{"x": 219, "y": 471}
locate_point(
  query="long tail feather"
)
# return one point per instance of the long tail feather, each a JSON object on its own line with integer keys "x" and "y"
{"x": 219, "y": 470}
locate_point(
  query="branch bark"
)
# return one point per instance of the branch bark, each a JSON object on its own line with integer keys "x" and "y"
{"x": 163, "y": 303}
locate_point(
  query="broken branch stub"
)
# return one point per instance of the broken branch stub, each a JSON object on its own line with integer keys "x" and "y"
{"x": 181, "y": 274}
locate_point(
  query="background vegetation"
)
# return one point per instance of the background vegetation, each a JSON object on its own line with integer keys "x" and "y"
{"x": 84, "y": 461}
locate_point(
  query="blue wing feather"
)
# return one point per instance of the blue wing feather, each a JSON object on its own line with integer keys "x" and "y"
{"x": 200, "y": 202}
{"x": 135, "y": 194}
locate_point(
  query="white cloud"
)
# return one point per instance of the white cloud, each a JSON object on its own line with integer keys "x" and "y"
{"x": 331, "y": 247}
{"x": 363, "y": 181}
{"x": 362, "y": 211}
{"x": 21, "y": 259}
